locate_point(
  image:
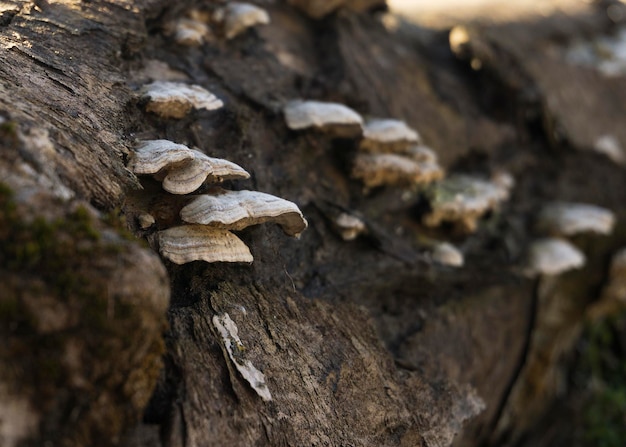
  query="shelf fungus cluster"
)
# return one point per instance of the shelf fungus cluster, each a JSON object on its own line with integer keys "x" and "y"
{"x": 230, "y": 20}
{"x": 175, "y": 99}
{"x": 554, "y": 254}
{"x": 181, "y": 169}
{"x": 206, "y": 220}
{"x": 462, "y": 200}
{"x": 391, "y": 153}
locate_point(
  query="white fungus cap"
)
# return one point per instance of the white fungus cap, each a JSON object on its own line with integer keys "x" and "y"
{"x": 393, "y": 169}
{"x": 190, "y": 32}
{"x": 387, "y": 135}
{"x": 325, "y": 116}
{"x": 175, "y": 99}
{"x": 238, "y": 17}
{"x": 189, "y": 243}
{"x": 349, "y": 226}
{"x": 565, "y": 218}
{"x": 552, "y": 256}
{"x": 610, "y": 146}
{"x": 150, "y": 156}
{"x": 188, "y": 176}
{"x": 447, "y": 254}
{"x": 236, "y": 210}
{"x": 181, "y": 169}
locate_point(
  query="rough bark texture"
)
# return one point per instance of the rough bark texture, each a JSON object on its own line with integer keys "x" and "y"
{"x": 360, "y": 343}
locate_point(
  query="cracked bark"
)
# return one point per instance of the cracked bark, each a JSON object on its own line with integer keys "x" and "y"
{"x": 360, "y": 343}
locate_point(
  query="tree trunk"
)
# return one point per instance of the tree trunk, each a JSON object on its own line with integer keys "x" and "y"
{"x": 320, "y": 341}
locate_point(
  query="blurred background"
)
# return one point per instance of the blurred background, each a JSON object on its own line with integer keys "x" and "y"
{"x": 445, "y": 13}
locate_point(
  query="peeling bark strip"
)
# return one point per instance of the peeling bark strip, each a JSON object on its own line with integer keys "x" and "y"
{"x": 360, "y": 333}
{"x": 236, "y": 352}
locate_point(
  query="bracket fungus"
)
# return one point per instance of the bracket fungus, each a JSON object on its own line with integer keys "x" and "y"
{"x": 190, "y": 32}
{"x": 463, "y": 199}
{"x": 387, "y": 135}
{"x": 236, "y": 210}
{"x": 422, "y": 154}
{"x": 610, "y": 146}
{"x": 329, "y": 117}
{"x": 175, "y": 99}
{"x": 552, "y": 256}
{"x": 393, "y": 169}
{"x": 447, "y": 254}
{"x": 189, "y": 243}
{"x": 390, "y": 154}
{"x": 349, "y": 226}
{"x": 189, "y": 176}
{"x": 566, "y": 219}
{"x": 151, "y": 156}
{"x": 145, "y": 220}
{"x": 182, "y": 170}
{"x": 238, "y": 17}
{"x": 211, "y": 216}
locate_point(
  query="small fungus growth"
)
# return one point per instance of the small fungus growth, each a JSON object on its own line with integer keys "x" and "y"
{"x": 335, "y": 119}
{"x": 175, "y": 99}
{"x": 388, "y": 135}
{"x": 393, "y": 169}
{"x": 566, "y": 219}
{"x": 463, "y": 199}
{"x": 190, "y": 32}
{"x": 447, "y": 254}
{"x": 552, "y": 256}
{"x": 145, "y": 220}
{"x": 610, "y": 146}
{"x": 390, "y": 153}
{"x": 349, "y": 226}
{"x": 237, "y": 17}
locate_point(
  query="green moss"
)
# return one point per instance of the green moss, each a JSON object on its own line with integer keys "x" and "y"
{"x": 62, "y": 254}
{"x": 56, "y": 302}
{"x": 603, "y": 362}
{"x": 605, "y": 418}
{"x": 9, "y": 128}
{"x": 81, "y": 224}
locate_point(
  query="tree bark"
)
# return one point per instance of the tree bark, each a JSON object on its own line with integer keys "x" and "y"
{"x": 364, "y": 342}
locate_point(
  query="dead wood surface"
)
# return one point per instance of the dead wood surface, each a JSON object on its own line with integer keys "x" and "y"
{"x": 360, "y": 343}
